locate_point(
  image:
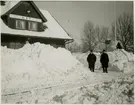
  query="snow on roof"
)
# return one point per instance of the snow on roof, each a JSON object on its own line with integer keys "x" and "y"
{"x": 54, "y": 30}
{"x": 53, "y": 25}
{"x": 48, "y": 33}
{"x": 8, "y": 5}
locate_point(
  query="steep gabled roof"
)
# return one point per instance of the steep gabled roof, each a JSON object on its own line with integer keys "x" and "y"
{"x": 53, "y": 24}
{"x": 8, "y": 5}
{"x": 32, "y": 3}
{"x": 54, "y": 30}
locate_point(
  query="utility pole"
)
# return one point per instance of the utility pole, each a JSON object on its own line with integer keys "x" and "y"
{"x": 115, "y": 19}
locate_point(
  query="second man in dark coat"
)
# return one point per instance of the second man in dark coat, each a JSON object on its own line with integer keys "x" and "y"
{"x": 104, "y": 59}
{"x": 91, "y": 60}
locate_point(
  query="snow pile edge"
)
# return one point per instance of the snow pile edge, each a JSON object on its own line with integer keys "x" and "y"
{"x": 39, "y": 65}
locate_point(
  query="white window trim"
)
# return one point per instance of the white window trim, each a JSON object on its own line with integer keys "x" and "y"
{"x": 25, "y": 18}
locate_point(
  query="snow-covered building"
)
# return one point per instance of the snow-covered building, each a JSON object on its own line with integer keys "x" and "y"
{"x": 23, "y": 21}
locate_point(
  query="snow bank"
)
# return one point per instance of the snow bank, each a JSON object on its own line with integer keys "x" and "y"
{"x": 38, "y": 65}
{"x": 120, "y": 59}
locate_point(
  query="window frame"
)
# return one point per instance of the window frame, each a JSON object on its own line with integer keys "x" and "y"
{"x": 32, "y": 22}
{"x": 16, "y": 26}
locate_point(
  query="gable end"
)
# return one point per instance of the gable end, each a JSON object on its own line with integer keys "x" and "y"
{"x": 33, "y": 8}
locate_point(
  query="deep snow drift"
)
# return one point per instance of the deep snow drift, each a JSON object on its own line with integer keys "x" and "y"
{"x": 119, "y": 60}
{"x": 39, "y": 65}
{"x": 42, "y": 74}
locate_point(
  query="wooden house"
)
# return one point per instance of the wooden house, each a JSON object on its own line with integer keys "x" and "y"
{"x": 23, "y": 22}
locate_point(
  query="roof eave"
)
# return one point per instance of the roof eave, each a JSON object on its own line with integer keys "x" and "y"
{"x": 37, "y": 36}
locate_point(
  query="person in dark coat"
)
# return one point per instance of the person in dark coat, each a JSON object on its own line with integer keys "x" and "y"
{"x": 91, "y": 60}
{"x": 119, "y": 46}
{"x": 104, "y": 59}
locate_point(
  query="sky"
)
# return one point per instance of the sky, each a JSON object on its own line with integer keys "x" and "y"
{"x": 72, "y": 15}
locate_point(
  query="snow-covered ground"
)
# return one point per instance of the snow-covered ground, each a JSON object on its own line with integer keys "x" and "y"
{"x": 116, "y": 91}
{"x": 40, "y": 73}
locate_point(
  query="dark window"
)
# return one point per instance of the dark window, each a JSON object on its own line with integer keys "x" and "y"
{"x": 32, "y": 26}
{"x": 20, "y": 24}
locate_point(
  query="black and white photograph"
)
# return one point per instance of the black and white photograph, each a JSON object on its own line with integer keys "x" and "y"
{"x": 67, "y": 52}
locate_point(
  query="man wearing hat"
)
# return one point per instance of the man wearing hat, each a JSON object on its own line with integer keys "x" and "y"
{"x": 91, "y": 60}
{"x": 104, "y": 59}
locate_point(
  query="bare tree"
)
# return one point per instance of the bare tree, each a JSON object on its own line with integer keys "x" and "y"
{"x": 93, "y": 35}
{"x": 124, "y": 31}
{"x": 97, "y": 33}
{"x": 87, "y": 37}
{"x": 104, "y": 34}
{"x": 101, "y": 34}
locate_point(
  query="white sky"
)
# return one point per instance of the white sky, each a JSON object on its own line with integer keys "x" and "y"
{"x": 73, "y": 14}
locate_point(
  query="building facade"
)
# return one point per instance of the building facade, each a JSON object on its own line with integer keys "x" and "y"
{"x": 23, "y": 22}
